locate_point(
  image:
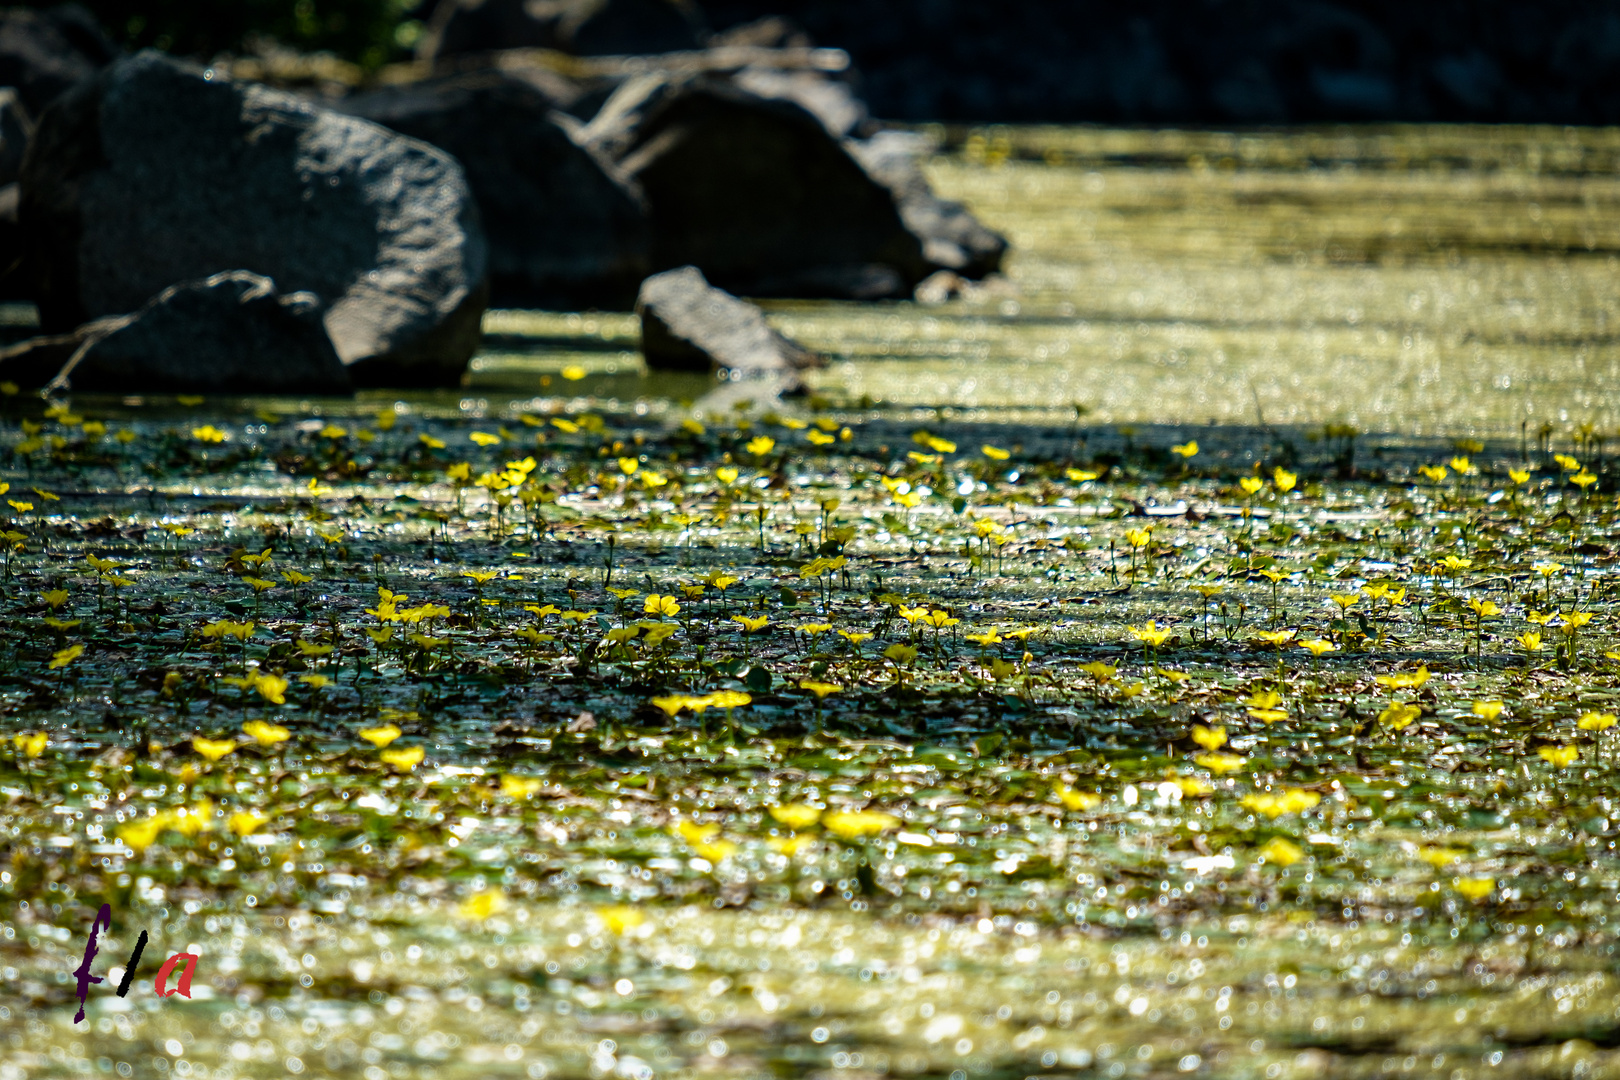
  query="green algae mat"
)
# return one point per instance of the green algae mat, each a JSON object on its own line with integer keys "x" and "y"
{"x": 1192, "y": 656}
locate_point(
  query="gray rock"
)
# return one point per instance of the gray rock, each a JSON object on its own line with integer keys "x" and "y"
{"x": 756, "y": 192}
{"x": 565, "y": 231}
{"x": 689, "y": 325}
{"x": 952, "y": 238}
{"x": 46, "y": 53}
{"x": 156, "y": 172}
{"x": 581, "y": 27}
{"x": 233, "y": 333}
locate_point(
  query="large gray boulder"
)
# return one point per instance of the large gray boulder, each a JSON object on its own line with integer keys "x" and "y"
{"x": 230, "y": 333}
{"x": 581, "y": 27}
{"x": 155, "y": 173}
{"x": 756, "y": 192}
{"x": 565, "y": 231}
{"x": 689, "y": 325}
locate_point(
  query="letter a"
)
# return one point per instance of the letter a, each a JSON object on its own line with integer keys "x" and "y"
{"x": 183, "y": 987}
{"x": 103, "y": 919}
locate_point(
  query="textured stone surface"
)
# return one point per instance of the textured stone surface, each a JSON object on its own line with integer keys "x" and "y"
{"x": 756, "y": 192}
{"x": 565, "y": 231}
{"x": 155, "y": 173}
{"x": 230, "y": 333}
{"x": 689, "y": 325}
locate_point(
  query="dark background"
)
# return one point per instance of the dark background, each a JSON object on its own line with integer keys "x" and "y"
{"x": 1147, "y": 61}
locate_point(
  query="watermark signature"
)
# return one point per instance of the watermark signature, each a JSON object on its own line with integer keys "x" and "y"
{"x": 187, "y": 962}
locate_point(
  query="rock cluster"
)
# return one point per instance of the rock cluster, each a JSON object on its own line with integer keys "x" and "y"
{"x": 161, "y": 202}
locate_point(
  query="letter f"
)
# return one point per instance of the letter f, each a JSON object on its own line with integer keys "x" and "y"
{"x": 103, "y": 920}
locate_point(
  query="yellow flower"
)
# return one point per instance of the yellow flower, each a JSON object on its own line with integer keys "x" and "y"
{"x": 854, "y": 637}
{"x": 1187, "y": 449}
{"x": 1150, "y": 634}
{"x": 208, "y": 433}
{"x": 1138, "y": 537}
{"x": 1220, "y": 764}
{"x": 141, "y": 834}
{"x": 1076, "y": 800}
{"x": 1209, "y": 738}
{"x": 266, "y": 734}
{"x": 1436, "y": 473}
{"x": 1346, "y": 601}
{"x": 1284, "y": 479}
{"x": 520, "y": 787}
{"x": 1399, "y": 715}
{"x": 1318, "y": 647}
{"x": 1595, "y": 721}
{"x": 484, "y": 438}
{"x": 213, "y": 749}
{"x": 820, "y": 689}
{"x": 404, "y": 759}
{"x": 1408, "y": 680}
{"x": 1583, "y": 479}
{"x": 1530, "y": 642}
{"x": 573, "y": 373}
{"x": 1484, "y": 608}
{"x": 1439, "y": 858}
{"x": 1475, "y": 889}
{"x": 995, "y": 453}
{"x": 726, "y": 474}
{"x": 1270, "y": 716}
{"x": 245, "y": 822}
{"x": 852, "y": 824}
{"x": 1519, "y": 476}
{"x": 1561, "y": 756}
{"x": 726, "y": 699}
{"x": 751, "y": 624}
{"x": 705, "y": 840}
{"x": 272, "y": 688}
{"x": 315, "y": 681}
{"x": 795, "y": 816}
{"x": 63, "y": 657}
{"x": 620, "y": 918}
{"x": 1251, "y": 484}
{"x": 482, "y": 905}
{"x": 1280, "y": 852}
{"x": 1292, "y": 801}
{"x": 760, "y": 445}
{"x": 1081, "y": 476}
{"x": 380, "y": 736}
{"x": 1488, "y": 710}
{"x": 30, "y": 744}
{"x": 661, "y": 605}
{"x": 55, "y": 598}
{"x": 1276, "y": 638}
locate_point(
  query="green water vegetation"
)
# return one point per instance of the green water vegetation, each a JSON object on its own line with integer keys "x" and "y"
{"x": 561, "y": 735}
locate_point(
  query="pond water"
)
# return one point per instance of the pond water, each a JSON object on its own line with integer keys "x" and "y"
{"x": 1405, "y": 281}
{"x": 1446, "y": 908}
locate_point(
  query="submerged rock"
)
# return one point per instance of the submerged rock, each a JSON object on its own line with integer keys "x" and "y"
{"x": 756, "y": 192}
{"x": 155, "y": 173}
{"x": 689, "y": 325}
{"x": 581, "y": 27}
{"x": 231, "y": 333}
{"x": 564, "y": 230}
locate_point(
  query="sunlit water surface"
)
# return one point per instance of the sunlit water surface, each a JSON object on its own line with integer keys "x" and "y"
{"x": 1408, "y": 282}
